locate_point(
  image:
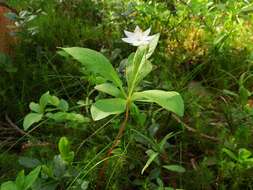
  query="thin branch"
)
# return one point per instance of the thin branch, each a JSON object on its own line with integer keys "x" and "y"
{"x": 215, "y": 139}
{"x": 15, "y": 126}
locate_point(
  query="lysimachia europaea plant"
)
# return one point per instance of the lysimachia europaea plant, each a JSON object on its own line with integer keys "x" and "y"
{"x": 138, "y": 66}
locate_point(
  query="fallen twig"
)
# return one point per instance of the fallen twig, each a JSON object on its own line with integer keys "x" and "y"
{"x": 215, "y": 139}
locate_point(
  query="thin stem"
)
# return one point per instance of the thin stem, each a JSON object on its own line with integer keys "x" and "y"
{"x": 115, "y": 144}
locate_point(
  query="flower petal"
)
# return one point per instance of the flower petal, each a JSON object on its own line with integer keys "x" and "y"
{"x": 129, "y": 40}
{"x": 147, "y": 32}
{"x": 137, "y": 29}
{"x": 129, "y": 34}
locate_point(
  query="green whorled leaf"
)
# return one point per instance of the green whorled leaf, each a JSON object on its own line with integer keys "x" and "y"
{"x": 95, "y": 62}
{"x": 152, "y": 45}
{"x": 137, "y": 68}
{"x": 105, "y": 107}
{"x": 175, "y": 168}
{"x": 35, "y": 107}
{"x": 31, "y": 177}
{"x": 152, "y": 157}
{"x": 109, "y": 88}
{"x": 171, "y": 101}
{"x": 9, "y": 185}
{"x": 30, "y": 119}
{"x": 64, "y": 116}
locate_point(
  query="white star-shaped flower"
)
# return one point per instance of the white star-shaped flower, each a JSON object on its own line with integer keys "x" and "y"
{"x": 138, "y": 37}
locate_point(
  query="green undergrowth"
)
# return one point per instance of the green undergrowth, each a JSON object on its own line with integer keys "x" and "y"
{"x": 204, "y": 53}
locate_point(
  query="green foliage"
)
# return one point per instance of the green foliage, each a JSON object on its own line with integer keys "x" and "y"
{"x": 53, "y": 108}
{"x": 137, "y": 68}
{"x": 22, "y": 182}
{"x": 204, "y": 52}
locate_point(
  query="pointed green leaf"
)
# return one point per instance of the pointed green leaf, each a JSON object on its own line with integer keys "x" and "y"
{"x": 20, "y": 180}
{"x": 152, "y": 157}
{"x": 153, "y": 45}
{"x": 31, "y": 177}
{"x": 30, "y": 119}
{"x": 137, "y": 68}
{"x": 171, "y": 101}
{"x": 108, "y": 88}
{"x": 64, "y": 148}
{"x": 230, "y": 153}
{"x": 175, "y": 168}
{"x": 105, "y": 107}
{"x": 95, "y": 62}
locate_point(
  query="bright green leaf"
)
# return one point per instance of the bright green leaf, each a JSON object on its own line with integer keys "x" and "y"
{"x": 171, "y": 101}
{"x": 9, "y": 185}
{"x": 35, "y": 107}
{"x": 108, "y": 88}
{"x": 105, "y": 107}
{"x": 135, "y": 66}
{"x": 95, "y": 62}
{"x": 244, "y": 154}
{"x": 20, "y": 180}
{"x": 229, "y": 153}
{"x": 30, "y": 119}
{"x": 64, "y": 148}
{"x": 31, "y": 177}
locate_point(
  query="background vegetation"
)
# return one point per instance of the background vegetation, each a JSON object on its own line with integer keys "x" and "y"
{"x": 204, "y": 52}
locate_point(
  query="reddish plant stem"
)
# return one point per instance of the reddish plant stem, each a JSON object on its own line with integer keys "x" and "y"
{"x": 114, "y": 145}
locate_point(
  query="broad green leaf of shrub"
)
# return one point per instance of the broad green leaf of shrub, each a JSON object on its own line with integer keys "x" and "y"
{"x": 31, "y": 177}
{"x": 30, "y": 119}
{"x": 95, "y": 62}
{"x": 105, "y": 107}
{"x": 171, "y": 101}
{"x": 175, "y": 168}
{"x": 108, "y": 88}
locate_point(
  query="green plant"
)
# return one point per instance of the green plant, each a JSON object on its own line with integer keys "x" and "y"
{"x": 22, "y": 181}
{"x": 51, "y": 108}
{"x": 137, "y": 68}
